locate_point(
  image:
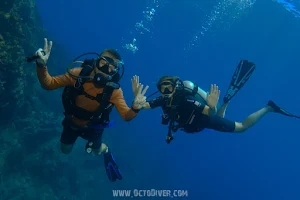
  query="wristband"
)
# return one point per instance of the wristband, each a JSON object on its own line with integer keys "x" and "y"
{"x": 135, "y": 110}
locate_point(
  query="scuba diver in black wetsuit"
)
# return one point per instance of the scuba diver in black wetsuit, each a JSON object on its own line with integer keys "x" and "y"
{"x": 188, "y": 108}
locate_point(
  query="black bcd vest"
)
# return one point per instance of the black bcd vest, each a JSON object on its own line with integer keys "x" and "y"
{"x": 101, "y": 115}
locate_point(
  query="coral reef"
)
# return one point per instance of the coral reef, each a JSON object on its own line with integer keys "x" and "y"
{"x": 17, "y": 40}
{"x": 31, "y": 166}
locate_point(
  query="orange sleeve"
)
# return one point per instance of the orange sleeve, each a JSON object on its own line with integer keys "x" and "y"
{"x": 118, "y": 100}
{"x": 49, "y": 82}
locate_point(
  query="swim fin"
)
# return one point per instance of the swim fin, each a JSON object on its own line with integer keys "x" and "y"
{"x": 241, "y": 75}
{"x": 112, "y": 169}
{"x": 279, "y": 110}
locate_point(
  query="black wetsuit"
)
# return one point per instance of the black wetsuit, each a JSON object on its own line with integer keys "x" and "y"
{"x": 187, "y": 112}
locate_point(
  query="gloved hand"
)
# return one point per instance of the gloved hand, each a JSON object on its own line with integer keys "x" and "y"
{"x": 140, "y": 98}
{"x": 135, "y": 83}
{"x": 212, "y": 98}
{"x": 44, "y": 53}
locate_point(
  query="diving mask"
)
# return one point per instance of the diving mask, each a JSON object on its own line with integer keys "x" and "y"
{"x": 167, "y": 87}
{"x": 109, "y": 69}
{"x": 109, "y": 66}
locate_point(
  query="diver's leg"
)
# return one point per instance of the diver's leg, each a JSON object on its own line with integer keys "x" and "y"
{"x": 224, "y": 125}
{"x": 96, "y": 138}
{"x": 222, "y": 110}
{"x": 102, "y": 149}
{"x": 217, "y": 123}
{"x": 99, "y": 148}
{"x": 67, "y": 140}
{"x": 252, "y": 119}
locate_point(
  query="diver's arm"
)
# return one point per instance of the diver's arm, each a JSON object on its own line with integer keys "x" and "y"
{"x": 149, "y": 105}
{"x": 49, "y": 82}
{"x": 118, "y": 100}
{"x": 159, "y": 101}
{"x": 146, "y": 106}
{"x": 152, "y": 104}
{"x": 209, "y": 111}
{"x": 204, "y": 109}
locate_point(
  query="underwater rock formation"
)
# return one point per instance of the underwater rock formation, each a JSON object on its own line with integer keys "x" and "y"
{"x": 18, "y": 36}
{"x": 30, "y": 165}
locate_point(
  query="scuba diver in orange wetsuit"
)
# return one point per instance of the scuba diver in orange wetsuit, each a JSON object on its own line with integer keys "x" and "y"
{"x": 90, "y": 92}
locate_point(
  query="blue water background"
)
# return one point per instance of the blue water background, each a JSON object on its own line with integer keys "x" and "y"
{"x": 262, "y": 163}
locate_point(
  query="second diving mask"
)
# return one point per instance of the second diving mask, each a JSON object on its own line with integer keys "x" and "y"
{"x": 167, "y": 87}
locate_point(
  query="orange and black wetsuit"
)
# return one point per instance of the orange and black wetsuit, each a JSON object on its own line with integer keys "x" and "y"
{"x": 70, "y": 134}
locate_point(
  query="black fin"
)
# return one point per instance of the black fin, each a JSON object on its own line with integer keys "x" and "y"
{"x": 279, "y": 110}
{"x": 241, "y": 75}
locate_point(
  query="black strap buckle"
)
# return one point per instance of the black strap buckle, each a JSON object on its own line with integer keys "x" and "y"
{"x": 78, "y": 83}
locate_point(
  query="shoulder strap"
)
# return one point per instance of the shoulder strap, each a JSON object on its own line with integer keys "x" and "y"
{"x": 86, "y": 71}
{"x": 108, "y": 91}
{"x": 105, "y": 104}
{"x": 71, "y": 92}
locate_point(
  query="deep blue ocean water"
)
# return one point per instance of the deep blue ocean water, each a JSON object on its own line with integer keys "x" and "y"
{"x": 201, "y": 41}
